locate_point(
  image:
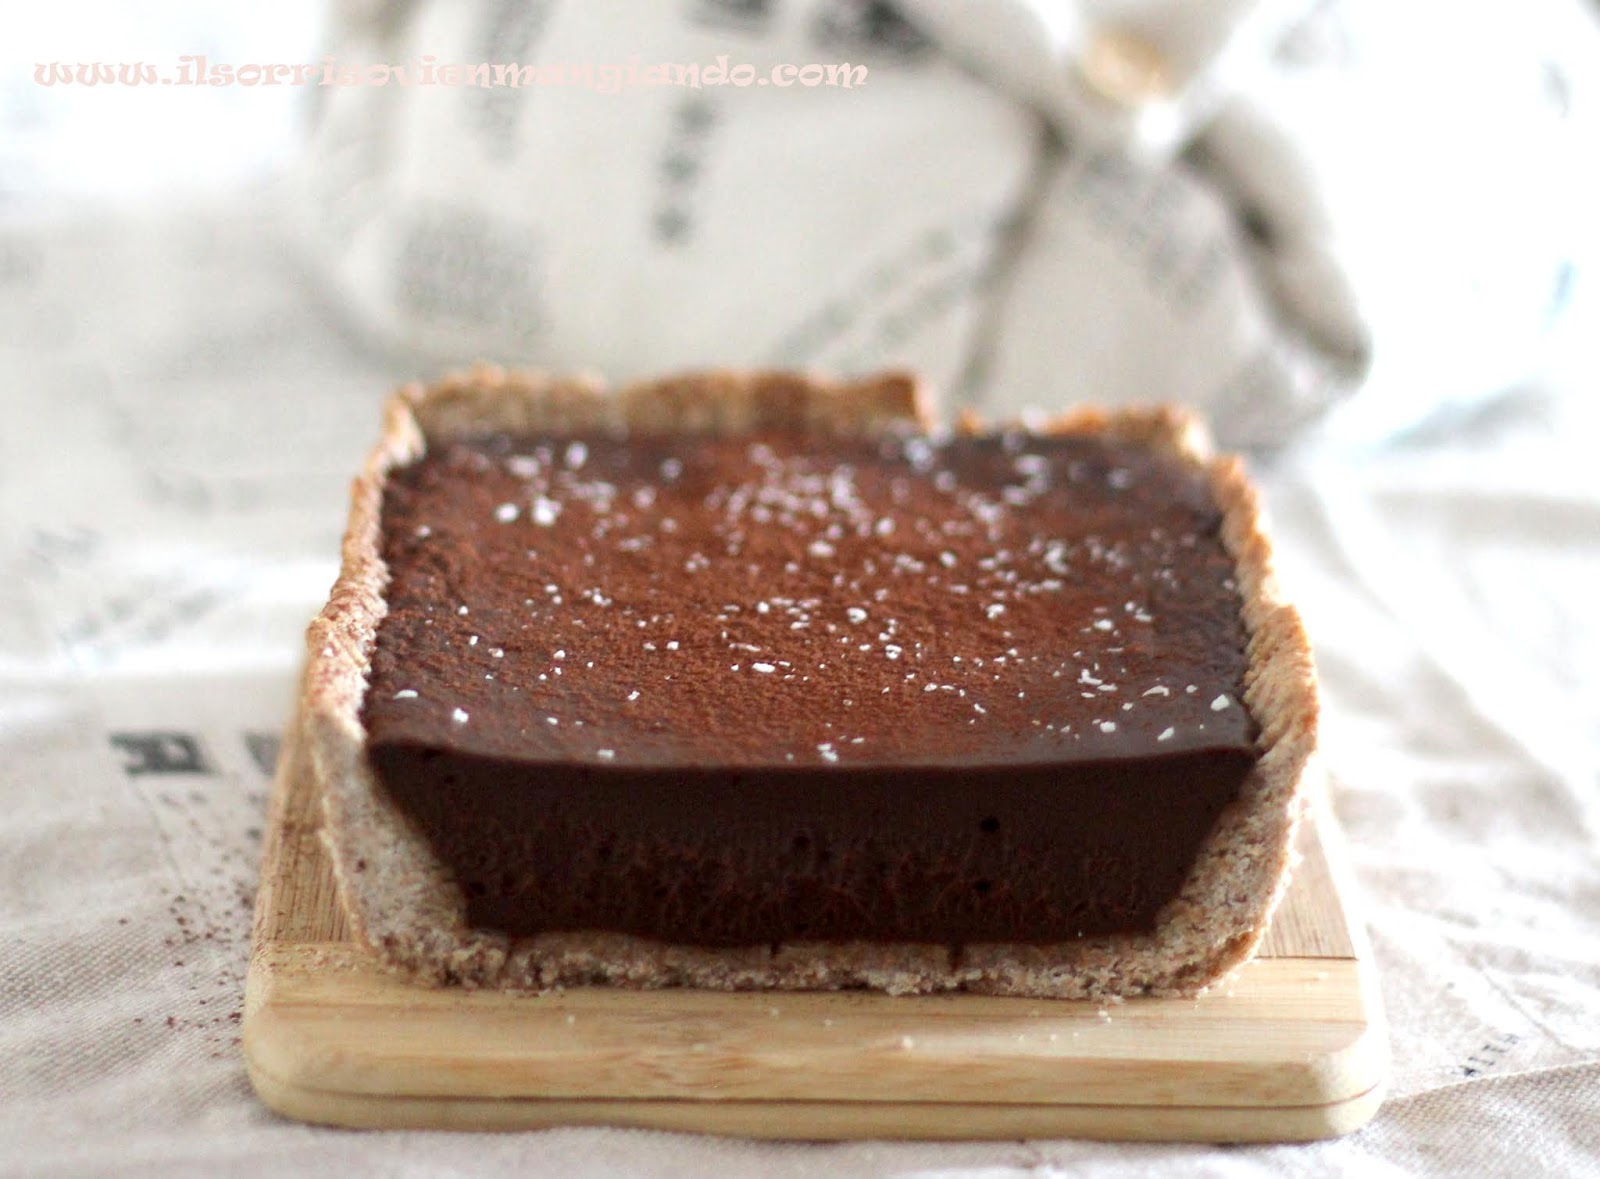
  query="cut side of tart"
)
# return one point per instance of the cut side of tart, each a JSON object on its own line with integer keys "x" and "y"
{"x": 755, "y": 681}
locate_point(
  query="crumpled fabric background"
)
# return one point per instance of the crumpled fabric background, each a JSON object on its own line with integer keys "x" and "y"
{"x": 183, "y": 404}
{"x": 1257, "y": 208}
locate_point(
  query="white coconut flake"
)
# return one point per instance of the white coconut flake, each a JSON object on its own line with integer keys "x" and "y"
{"x": 1108, "y": 726}
{"x": 459, "y": 716}
{"x": 506, "y": 513}
{"x": 577, "y": 453}
{"x": 605, "y": 754}
{"x": 1166, "y": 734}
{"x": 406, "y": 694}
{"x": 1220, "y": 703}
{"x": 1158, "y": 690}
{"x": 545, "y": 511}
{"x": 856, "y": 614}
{"x": 633, "y": 695}
{"x": 820, "y": 549}
{"x": 993, "y": 610}
{"x": 763, "y": 668}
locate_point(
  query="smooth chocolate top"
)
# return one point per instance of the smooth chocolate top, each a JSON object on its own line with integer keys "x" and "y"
{"x": 808, "y": 603}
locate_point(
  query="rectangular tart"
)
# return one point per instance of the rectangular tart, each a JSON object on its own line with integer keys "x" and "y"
{"x": 751, "y": 680}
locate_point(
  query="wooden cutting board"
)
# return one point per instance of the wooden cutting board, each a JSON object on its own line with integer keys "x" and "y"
{"x": 1293, "y": 1048}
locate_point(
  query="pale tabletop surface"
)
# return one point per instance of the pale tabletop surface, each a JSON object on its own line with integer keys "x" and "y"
{"x": 180, "y": 425}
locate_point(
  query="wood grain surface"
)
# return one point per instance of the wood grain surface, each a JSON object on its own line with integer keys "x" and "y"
{"x": 1291, "y": 1048}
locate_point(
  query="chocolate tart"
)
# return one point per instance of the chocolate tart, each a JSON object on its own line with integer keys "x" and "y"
{"x": 752, "y": 680}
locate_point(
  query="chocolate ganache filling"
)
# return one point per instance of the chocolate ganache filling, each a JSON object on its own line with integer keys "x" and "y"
{"x": 728, "y": 691}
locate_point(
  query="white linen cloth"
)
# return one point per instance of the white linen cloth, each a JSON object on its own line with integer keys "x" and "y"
{"x": 180, "y": 423}
{"x": 1257, "y": 208}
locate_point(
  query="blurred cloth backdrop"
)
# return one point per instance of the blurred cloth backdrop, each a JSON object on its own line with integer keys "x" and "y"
{"x": 1267, "y": 210}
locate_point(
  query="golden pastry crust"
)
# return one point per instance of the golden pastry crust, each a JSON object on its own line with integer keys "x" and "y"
{"x": 402, "y": 902}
